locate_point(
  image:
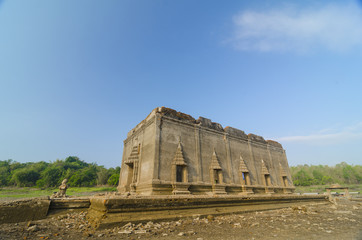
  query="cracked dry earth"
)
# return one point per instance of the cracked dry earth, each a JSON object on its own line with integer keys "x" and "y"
{"x": 313, "y": 221}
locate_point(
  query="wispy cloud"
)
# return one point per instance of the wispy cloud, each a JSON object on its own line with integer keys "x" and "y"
{"x": 334, "y": 27}
{"x": 328, "y": 136}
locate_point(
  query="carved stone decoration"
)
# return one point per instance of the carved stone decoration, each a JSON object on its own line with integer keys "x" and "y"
{"x": 132, "y": 163}
{"x": 266, "y": 178}
{"x": 133, "y": 156}
{"x": 216, "y": 175}
{"x": 215, "y": 162}
{"x": 282, "y": 171}
{"x": 242, "y": 166}
{"x": 284, "y": 179}
{"x": 264, "y": 169}
{"x": 179, "y": 156}
{"x": 179, "y": 173}
{"x": 244, "y": 177}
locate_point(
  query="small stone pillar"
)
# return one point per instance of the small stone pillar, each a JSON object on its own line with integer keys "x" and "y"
{"x": 62, "y": 190}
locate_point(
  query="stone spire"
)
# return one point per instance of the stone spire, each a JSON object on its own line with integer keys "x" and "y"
{"x": 133, "y": 156}
{"x": 282, "y": 171}
{"x": 215, "y": 162}
{"x": 242, "y": 166}
{"x": 264, "y": 170}
{"x": 179, "y": 156}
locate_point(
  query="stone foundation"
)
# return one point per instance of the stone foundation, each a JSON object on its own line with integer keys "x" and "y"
{"x": 109, "y": 212}
{"x": 24, "y": 210}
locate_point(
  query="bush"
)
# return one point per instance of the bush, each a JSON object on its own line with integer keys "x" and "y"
{"x": 84, "y": 177}
{"x": 25, "y": 177}
{"x": 44, "y": 174}
{"x": 51, "y": 177}
{"x": 102, "y": 176}
{"x": 342, "y": 173}
{"x": 113, "y": 179}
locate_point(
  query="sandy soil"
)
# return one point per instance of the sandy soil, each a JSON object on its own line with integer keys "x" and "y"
{"x": 317, "y": 221}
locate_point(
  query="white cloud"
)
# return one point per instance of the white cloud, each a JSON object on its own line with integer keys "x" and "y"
{"x": 333, "y": 27}
{"x": 328, "y": 136}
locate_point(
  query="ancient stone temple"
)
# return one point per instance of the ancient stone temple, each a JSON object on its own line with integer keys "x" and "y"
{"x": 170, "y": 152}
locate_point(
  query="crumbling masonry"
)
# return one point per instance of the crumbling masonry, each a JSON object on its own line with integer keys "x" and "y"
{"x": 170, "y": 152}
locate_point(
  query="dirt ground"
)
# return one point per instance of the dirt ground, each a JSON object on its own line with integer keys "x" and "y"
{"x": 342, "y": 220}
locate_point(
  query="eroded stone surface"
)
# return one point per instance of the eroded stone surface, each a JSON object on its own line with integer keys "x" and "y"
{"x": 106, "y": 212}
{"x": 312, "y": 221}
{"x": 24, "y": 210}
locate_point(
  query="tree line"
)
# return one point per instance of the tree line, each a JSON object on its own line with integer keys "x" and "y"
{"x": 51, "y": 174}
{"x": 342, "y": 173}
{"x": 81, "y": 174}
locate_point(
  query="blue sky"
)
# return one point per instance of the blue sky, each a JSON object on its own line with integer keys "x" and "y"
{"x": 76, "y": 76}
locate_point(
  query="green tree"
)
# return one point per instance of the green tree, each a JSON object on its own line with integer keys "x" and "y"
{"x": 302, "y": 178}
{"x": 326, "y": 180}
{"x": 25, "y": 177}
{"x": 84, "y": 177}
{"x": 5, "y": 172}
{"x": 317, "y": 177}
{"x": 74, "y": 163}
{"x": 102, "y": 175}
{"x": 341, "y": 173}
{"x": 51, "y": 176}
{"x": 113, "y": 179}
